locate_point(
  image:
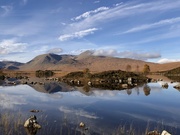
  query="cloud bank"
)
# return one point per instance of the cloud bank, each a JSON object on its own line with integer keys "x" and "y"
{"x": 165, "y": 60}
{"x": 126, "y": 54}
{"x": 11, "y": 46}
{"x": 55, "y": 50}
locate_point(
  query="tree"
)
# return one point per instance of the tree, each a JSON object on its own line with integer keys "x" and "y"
{"x": 146, "y": 90}
{"x": 1, "y": 75}
{"x": 137, "y": 68}
{"x": 128, "y": 68}
{"x": 86, "y": 72}
{"x": 146, "y": 69}
{"x": 46, "y": 73}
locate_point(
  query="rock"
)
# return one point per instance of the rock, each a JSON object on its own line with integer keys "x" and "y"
{"x": 32, "y": 123}
{"x": 82, "y": 124}
{"x": 34, "y": 111}
{"x": 125, "y": 86}
{"x": 165, "y": 133}
{"x": 165, "y": 85}
{"x": 153, "y": 133}
{"x": 177, "y": 86}
{"x": 89, "y": 83}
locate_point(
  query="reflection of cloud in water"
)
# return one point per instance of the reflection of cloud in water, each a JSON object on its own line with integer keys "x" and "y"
{"x": 9, "y": 101}
{"x": 153, "y": 119}
{"x": 153, "y": 111}
{"x": 78, "y": 112}
{"x": 55, "y": 96}
{"x": 104, "y": 93}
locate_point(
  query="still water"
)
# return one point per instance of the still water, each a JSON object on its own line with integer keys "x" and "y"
{"x": 62, "y": 108}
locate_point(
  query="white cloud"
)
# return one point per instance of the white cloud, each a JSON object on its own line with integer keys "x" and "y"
{"x": 55, "y": 50}
{"x": 64, "y": 24}
{"x": 42, "y": 49}
{"x": 102, "y": 52}
{"x": 6, "y": 9}
{"x": 165, "y": 60}
{"x": 89, "y": 13}
{"x": 118, "y": 4}
{"x": 122, "y": 11}
{"x": 97, "y": 1}
{"x": 11, "y": 46}
{"x": 24, "y": 2}
{"x": 153, "y": 25}
{"x": 125, "y": 54}
{"x": 172, "y": 33}
{"x": 79, "y": 34}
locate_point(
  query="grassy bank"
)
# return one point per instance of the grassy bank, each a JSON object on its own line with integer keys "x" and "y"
{"x": 12, "y": 124}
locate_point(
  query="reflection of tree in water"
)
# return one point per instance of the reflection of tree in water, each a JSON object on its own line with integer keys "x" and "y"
{"x": 86, "y": 88}
{"x": 31, "y": 131}
{"x": 129, "y": 91}
{"x": 137, "y": 90}
{"x": 1, "y": 82}
{"x": 146, "y": 90}
{"x": 174, "y": 78}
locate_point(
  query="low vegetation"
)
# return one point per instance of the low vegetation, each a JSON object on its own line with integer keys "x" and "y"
{"x": 112, "y": 80}
{"x": 46, "y": 73}
{"x": 1, "y": 75}
{"x": 146, "y": 69}
{"x": 12, "y": 124}
{"x": 113, "y": 75}
{"x": 175, "y": 71}
{"x": 173, "y": 74}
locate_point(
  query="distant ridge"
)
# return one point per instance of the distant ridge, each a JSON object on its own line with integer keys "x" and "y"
{"x": 10, "y": 65}
{"x": 69, "y": 63}
{"x": 86, "y": 59}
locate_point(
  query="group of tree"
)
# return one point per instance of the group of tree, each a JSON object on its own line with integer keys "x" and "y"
{"x": 46, "y": 73}
{"x": 1, "y": 75}
{"x": 145, "y": 71}
{"x": 173, "y": 74}
{"x": 107, "y": 74}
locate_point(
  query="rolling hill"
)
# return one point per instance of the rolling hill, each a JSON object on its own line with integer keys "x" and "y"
{"x": 10, "y": 65}
{"x": 69, "y": 63}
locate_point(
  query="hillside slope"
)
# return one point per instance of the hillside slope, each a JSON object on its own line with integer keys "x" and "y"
{"x": 69, "y": 63}
{"x": 10, "y": 65}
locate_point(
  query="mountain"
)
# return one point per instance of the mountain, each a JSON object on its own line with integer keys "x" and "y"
{"x": 10, "y": 65}
{"x": 48, "y": 62}
{"x": 70, "y": 63}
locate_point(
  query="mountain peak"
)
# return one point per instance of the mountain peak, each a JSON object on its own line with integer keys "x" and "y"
{"x": 85, "y": 54}
{"x": 46, "y": 58}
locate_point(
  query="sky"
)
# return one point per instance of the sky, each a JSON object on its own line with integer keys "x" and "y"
{"x": 147, "y": 30}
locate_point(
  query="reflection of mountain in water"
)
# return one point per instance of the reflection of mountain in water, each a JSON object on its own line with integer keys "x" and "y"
{"x": 51, "y": 87}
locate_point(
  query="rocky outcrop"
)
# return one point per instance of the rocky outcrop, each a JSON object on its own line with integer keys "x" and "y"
{"x": 164, "y": 132}
{"x": 177, "y": 86}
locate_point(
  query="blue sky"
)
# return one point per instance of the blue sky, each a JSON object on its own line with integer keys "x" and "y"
{"x": 138, "y": 29}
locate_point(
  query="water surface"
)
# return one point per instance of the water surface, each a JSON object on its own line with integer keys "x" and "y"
{"x": 63, "y": 107}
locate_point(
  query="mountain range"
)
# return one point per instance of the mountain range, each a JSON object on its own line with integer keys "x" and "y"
{"x": 10, "y": 65}
{"x": 69, "y": 63}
